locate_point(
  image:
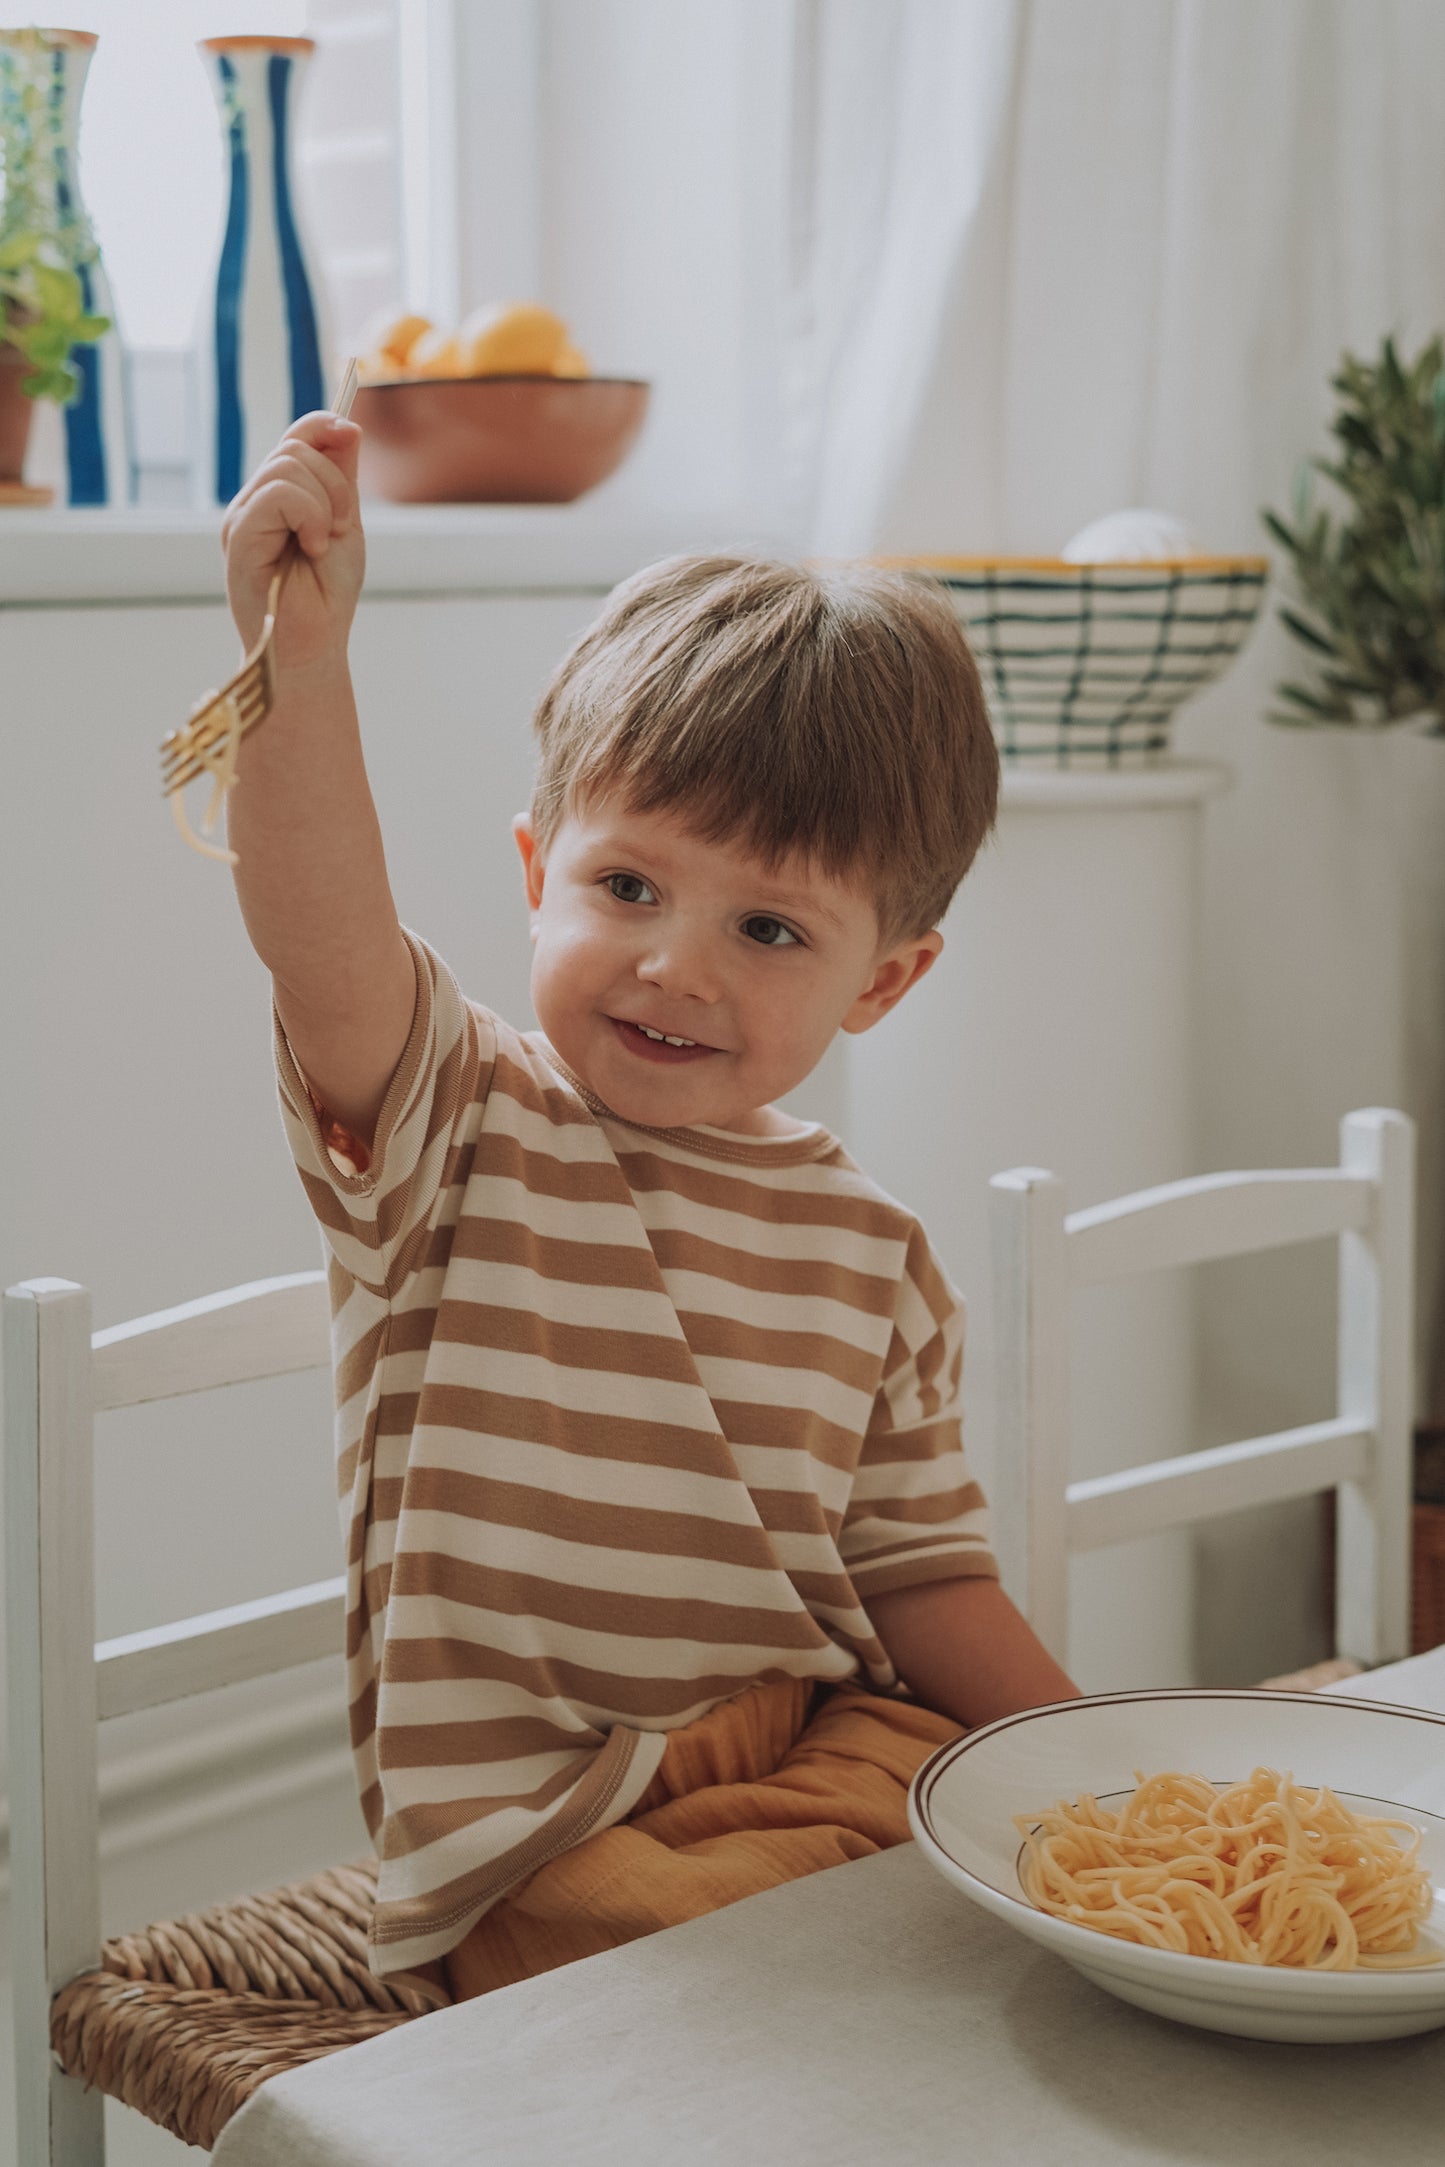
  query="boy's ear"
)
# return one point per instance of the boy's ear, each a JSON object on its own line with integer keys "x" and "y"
{"x": 901, "y": 968}
{"x": 532, "y": 867}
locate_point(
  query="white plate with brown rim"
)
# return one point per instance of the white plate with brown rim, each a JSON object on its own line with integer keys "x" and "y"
{"x": 1376, "y": 1757}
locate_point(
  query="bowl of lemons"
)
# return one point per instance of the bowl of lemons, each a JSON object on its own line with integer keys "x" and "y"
{"x": 501, "y": 409}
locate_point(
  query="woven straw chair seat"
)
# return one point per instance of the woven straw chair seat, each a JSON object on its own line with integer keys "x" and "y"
{"x": 184, "y": 2020}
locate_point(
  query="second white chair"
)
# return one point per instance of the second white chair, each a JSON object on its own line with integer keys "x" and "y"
{"x": 1041, "y": 1251}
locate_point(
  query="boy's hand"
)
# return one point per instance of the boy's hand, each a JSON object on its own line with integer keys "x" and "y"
{"x": 306, "y": 488}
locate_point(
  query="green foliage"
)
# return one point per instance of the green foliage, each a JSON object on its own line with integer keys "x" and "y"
{"x": 44, "y": 239}
{"x": 1371, "y": 583}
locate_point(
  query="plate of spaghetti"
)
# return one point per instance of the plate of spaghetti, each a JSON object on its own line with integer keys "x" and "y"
{"x": 1269, "y": 1864}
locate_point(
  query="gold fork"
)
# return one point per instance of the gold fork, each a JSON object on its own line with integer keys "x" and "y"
{"x": 209, "y": 739}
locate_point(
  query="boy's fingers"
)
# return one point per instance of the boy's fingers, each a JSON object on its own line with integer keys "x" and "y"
{"x": 295, "y": 452}
{"x": 284, "y": 504}
{"x": 313, "y": 428}
{"x": 342, "y": 445}
{"x": 332, "y": 460}
{"x": 326, "y": 432}
{"x": 316, "y": 480}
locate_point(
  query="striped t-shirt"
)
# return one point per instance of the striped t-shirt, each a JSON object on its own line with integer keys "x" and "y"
{"x": 627, "y": 1420}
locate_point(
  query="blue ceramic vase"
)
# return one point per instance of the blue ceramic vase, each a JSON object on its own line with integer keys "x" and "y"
{"x": 263, "y": 353}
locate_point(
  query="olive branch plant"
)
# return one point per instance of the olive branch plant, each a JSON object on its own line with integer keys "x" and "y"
{"x": 44, "y": 239}
{"x": 1370, "y": 580}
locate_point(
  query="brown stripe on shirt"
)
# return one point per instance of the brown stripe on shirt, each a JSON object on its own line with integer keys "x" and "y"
{"x": 460, "y": 1745}
{"x": 654, "y": 1698}
{"x": 639, "y": 1527}
{"x": 749, "y": 1197}
{"x": 636, "y": 1439}
{"x": 732, "y": 1341}
{"x": 629, "y": 1615}
{"x": 871, "y": 1293}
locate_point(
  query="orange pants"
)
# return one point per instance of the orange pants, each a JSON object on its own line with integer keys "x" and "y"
{"x": 782, "y": 1780}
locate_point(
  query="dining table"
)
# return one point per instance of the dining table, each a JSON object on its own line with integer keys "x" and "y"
{"x": 866, "y": 2014}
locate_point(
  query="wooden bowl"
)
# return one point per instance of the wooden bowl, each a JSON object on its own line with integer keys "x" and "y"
{"x": 495, "y": 439}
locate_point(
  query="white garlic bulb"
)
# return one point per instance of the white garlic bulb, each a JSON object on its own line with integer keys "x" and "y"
{"x": 1132, "y": 537}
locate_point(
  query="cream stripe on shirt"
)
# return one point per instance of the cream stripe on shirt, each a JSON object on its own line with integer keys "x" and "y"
{"x": 627, "y": 1420}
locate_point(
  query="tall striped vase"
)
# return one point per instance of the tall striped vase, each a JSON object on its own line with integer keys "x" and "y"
{"x": 93, "y": 462}
{"x": 263, "y": 350}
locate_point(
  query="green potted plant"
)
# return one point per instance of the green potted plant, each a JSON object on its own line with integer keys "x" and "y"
{"x": 44, "y": 242}
{"x": 1369, "y": 580}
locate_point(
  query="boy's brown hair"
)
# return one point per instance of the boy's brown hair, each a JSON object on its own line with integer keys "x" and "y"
{"x": 832, "y": 711}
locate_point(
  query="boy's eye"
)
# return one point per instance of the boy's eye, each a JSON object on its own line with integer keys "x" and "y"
{"x": 630, "y": 888}
{"x": 770, "y": 932}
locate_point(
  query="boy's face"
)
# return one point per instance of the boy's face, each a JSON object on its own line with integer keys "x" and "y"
{"x": 640, "y": 926}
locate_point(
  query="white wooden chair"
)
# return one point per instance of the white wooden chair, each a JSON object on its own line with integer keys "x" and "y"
{"x": 1041, "y": 1252}
{"x": 58, "y": 1376}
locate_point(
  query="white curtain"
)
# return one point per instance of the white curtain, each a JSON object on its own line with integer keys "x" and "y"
{"x": 904, "y": 125}
{"x": 1063, "y": 255}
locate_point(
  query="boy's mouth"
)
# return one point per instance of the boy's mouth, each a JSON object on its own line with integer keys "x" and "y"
{"x": 648, "y": 1045}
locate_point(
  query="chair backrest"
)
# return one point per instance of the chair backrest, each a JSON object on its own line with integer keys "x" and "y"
{"x": 1041, "y": 1252}
{"x": 58, "y": 1377}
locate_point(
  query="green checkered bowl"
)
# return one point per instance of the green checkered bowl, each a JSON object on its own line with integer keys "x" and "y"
{"x": 1084, "y": 664}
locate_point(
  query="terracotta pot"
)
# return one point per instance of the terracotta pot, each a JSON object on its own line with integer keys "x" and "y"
{"x": 16, "y": 414}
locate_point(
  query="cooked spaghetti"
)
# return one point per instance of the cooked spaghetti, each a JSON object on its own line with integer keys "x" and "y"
{"x": 1263, "y": 1872}
{"x": 218, "y": 760}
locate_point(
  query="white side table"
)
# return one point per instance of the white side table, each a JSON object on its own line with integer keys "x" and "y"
{"x": 1058, "y": 1029}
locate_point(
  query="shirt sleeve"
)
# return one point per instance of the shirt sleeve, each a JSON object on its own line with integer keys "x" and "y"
{"x": 376, "y": 1212}
{"x": 916, "y": 1513}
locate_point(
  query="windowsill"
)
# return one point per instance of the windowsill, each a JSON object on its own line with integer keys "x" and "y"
{"x": 64, "y": 557}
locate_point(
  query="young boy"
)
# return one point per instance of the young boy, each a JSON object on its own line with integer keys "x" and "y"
{"x": 665, "y": 1568}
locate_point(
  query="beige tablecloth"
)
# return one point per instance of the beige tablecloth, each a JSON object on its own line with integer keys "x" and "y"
{"x": 865, "y": 2017}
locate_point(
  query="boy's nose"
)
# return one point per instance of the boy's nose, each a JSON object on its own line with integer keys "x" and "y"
{"x": 680, "y": 969}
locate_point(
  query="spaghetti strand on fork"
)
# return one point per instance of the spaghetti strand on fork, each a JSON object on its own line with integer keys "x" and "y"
{"x": 217, "y": 758}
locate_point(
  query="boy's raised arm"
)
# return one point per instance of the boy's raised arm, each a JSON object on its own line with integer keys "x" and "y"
{"x": 312, "y": 878}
